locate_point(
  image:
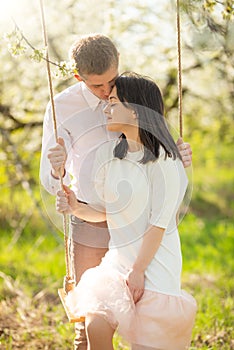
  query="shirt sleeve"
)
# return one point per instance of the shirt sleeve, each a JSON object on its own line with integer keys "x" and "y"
{"x": 169, "y": 182}
{"x": 51, "y": 184}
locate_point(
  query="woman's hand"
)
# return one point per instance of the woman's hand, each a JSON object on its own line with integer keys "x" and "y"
{"x": 136, "y": 283}
{"x": 66, "y": 201}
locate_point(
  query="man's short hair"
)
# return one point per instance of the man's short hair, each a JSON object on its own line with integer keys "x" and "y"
{"x": 94, "y": 54}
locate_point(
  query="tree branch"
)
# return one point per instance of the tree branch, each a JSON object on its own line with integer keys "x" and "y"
{"x": 17, "y": 124}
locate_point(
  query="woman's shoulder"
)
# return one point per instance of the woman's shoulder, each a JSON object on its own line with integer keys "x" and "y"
{"x": 167, "y": 158}
{"x": 168, "y": 163}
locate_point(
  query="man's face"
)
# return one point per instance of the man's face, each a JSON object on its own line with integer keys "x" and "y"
{"x": 101, "y": 85}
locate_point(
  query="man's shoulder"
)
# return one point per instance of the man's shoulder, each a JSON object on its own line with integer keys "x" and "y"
{"x": 68, "y": 102}
{"x": 71, "y": 92}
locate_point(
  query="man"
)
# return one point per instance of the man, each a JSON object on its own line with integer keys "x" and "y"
{"x": 81, "y": 127}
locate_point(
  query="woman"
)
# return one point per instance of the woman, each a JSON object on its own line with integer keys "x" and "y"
{"x": 139, "y": 183}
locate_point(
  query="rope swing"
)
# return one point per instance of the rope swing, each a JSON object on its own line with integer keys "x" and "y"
{"x": 69, "y": 282}
{"x": 180, "y": 112}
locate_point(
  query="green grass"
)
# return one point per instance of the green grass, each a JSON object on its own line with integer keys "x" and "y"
{"x": 31, "y": 315}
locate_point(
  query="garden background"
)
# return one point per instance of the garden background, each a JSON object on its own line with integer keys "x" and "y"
{"x": 32, "y": 252}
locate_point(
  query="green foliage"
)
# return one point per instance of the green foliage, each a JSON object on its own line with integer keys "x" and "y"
{"x": 18, "y": 44}
{"x": 15, "y": 43}
{"x": 65, "y": 69}
{"x": 227, "y": 10}
{"x": 34, "y": 269}
{"x": 38, "y": 55}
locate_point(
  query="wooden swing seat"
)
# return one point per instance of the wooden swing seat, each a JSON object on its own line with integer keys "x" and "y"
{"x": 72, "y": 319}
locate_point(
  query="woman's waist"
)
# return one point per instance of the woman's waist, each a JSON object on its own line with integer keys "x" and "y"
{"x": 166, "y": 283}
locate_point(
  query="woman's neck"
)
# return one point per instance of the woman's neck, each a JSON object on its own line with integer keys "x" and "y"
{"x": 134, "y": 143}
{"x": 133, "y": 146}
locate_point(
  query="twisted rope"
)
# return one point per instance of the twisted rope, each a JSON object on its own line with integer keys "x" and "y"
{"x": 68, "y": 276}
{"x": 179, "y": 69}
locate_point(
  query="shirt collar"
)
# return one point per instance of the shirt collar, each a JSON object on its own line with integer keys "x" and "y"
{"x": 92, "y": 100}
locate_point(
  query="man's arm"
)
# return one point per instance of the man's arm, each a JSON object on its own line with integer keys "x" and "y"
{"x": 185, "y": 151}
{"x": 57, "y": 156}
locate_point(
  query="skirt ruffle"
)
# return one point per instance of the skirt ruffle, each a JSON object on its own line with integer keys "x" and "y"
{"x": 163, "y": 321}
{"x": 104, "y": 292}
{"x": 158, "y": 320}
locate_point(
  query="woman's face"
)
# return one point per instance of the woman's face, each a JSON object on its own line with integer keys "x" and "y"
{"x": 119, "y": 118}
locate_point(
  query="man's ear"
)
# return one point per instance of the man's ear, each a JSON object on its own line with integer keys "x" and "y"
{"x": 78, "y": 77}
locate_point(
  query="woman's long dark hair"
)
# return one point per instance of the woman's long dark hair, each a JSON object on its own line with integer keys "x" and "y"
{"x": 143, "y": 96}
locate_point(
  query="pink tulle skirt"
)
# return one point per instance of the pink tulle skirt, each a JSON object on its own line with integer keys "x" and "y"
{"x": 158, "y": 321}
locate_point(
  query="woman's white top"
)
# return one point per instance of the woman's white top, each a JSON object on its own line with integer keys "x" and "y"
{"x": 136, "y": 196}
